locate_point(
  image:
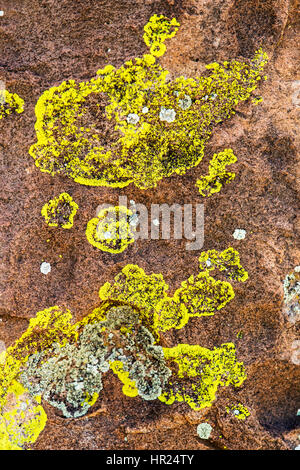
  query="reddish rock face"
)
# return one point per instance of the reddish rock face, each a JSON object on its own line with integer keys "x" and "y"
{"x": 46, "y": 42}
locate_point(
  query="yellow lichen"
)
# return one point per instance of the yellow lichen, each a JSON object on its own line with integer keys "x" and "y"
{"x": 60, "y": 211}
{"x": 227, "y": 261}
{"x": 111, "y": 231}
{"x": 21, "y": 420}
{"x": 135, "y": 309}
{"x": 10, "y": 103}
{"x": 200, "y": 373}
{"x": 132, "y": 124}
{"x": 52, "y": 325}
{"x": 218, "y": 176}
{"x": 239, "y": 411}
{"x": 135, "y": 287}
{"x": 157, "y": 30}
{"x": 129, "y": 389}
{"x": 198, "y": 296}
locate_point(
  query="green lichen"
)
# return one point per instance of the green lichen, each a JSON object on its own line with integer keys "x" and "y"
{"x": 10, "y": 103}
{"x": 133, "y": 124}
{"x": 218, "y": 176}
{"x": 60, "y": 211}
{"x": 204, "y": 430}
{"x": 111, "y": 230}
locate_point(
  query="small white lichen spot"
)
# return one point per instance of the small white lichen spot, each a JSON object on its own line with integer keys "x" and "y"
{"x": 297, "y": 448}
{"x": 204, "y": 430}
{"x": 297, "y": 269}
{"x": 167, "y": 114}
{"x": 239, "y": 234}
{"x": 208, "y": 262}
{"x": 145, "y": 110}
{"x": 45, "y": 268}
{"x": 186, "y": 102}
{"x": 132, "y": 118}
{"x": 1, "y": 13}
{"x": 155, "y": 222}
{"x": 107, "y": 235}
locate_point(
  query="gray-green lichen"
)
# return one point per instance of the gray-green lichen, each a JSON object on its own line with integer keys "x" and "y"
{"x": 143, "y": 360}
{"x": 72, "y": 375}
{"x": 69, "y": 376}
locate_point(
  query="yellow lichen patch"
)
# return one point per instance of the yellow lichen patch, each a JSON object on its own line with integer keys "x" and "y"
{"x": 2, "y": 357}
{"x": 64, "y": 363}
{"x": 10, "y": 103}
{"x": 239, "y": 411}
{"x": 200, "y": 296}
{"x": 132, "y": 124}
{"x": 22, "y": 419}
{"x": 257, "y": 100}
{"x": 97, "y": 315}
{"x": 91, "y": 399}
{"x": 157, "y": 30}
{"x": 227, "y": 261}
{"x": 135, "y": 287}
{"x": 60, "y": 211}
{"x": 200, "y": 372}
{"x": 52, "y": 325}
{"x": 218, "y": 176}
{"x": 129, "y": 387}
{"x": 111, "y": 231}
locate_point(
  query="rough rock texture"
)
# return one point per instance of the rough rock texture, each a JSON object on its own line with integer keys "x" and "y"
{"x": 44, "y": 42}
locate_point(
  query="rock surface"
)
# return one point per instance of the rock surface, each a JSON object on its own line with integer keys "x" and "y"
{"x": 46, "y": 42}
